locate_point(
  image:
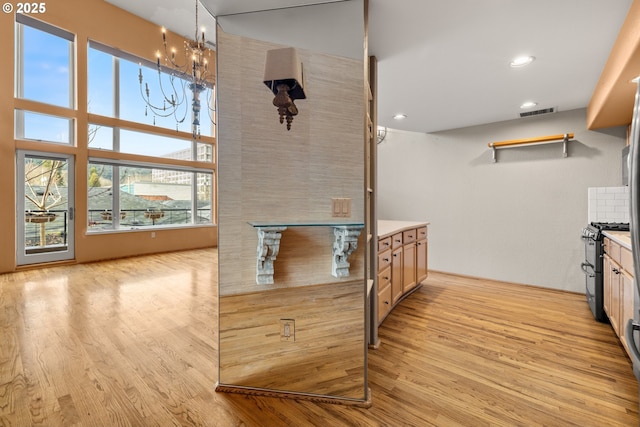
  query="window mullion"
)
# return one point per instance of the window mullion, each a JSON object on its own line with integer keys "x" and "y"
{"x": 115, "y": 201}
{"x": 194, "y": 198}
{"x": 19, "y": 61}
{"x": 116, "y": 87}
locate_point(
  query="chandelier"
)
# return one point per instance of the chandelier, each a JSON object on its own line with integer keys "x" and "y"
{"x": 190, "y": 76}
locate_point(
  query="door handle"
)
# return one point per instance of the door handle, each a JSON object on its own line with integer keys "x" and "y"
{"x": 584, "y": 266}
{"x": 71, "y": 214}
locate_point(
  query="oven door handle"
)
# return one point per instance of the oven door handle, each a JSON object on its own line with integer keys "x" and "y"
{"x": 584, "y": 266}
{"x": 631, "y": 343}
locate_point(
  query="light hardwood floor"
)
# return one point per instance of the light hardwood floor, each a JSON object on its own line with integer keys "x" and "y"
{"x": 134, "y": 343}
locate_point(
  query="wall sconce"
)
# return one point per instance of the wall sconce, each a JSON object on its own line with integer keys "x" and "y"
{"x": 283, "y": 75}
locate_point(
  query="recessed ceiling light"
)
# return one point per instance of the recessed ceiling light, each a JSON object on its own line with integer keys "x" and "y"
{"x": 522, "y": 61}
{"x": 400, "y": 116}
{"x": 528, "y": 104}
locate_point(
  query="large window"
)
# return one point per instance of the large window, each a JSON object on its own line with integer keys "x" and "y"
{"x": 44, "y": 73}
{"x": 44, "y": 64}
{"x": 135, "y": 192}
{"x": 115, "y": 90}
{"x": 124, "y": 197}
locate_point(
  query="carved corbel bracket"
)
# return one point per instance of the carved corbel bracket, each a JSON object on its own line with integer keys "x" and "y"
{"x": 345, "y": 243}
{"x": 268, "y": 248}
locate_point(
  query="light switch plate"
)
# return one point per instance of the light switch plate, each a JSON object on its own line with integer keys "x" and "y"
{"x": 346, "y": 208}
{"x": 336, "y": 207}
{"x": 341, "y": 208}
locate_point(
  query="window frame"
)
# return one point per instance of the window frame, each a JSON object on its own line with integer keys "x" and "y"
{"x": 117, "y": 159}
{"x": 115, "y": 205}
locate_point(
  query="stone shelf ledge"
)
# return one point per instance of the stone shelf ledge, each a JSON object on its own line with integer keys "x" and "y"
{"x": 345, "y": 242}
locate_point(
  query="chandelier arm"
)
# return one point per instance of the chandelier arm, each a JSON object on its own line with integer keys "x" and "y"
{"x": 211, "y": 109}
{"x": 155, "y": 109}
{"x": 174, "y": 98}
{"x": 158, "y": 111}
{"x": 183, "y": 85}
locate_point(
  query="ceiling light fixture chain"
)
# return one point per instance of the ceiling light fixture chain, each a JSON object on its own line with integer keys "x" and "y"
{"x": 193, "y": 75}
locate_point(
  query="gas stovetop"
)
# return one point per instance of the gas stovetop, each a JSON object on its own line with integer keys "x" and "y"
{"x": 595, "y": 229}
{"x": 617, "y": 226}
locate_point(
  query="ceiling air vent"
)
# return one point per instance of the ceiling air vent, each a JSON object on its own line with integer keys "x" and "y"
{"x": 538, "y": 112}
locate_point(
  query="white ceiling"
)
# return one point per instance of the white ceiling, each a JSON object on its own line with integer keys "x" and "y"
{"x": 445, "y": 63}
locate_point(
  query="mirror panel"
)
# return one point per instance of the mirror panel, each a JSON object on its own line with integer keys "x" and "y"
{"x": 303, "y": 334}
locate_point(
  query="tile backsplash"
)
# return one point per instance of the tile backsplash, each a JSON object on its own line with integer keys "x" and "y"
{"x": 609, "y": 204}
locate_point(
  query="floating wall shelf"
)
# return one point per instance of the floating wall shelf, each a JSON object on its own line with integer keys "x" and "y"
{"x": 550, "y": 139}
{"x": 270, "y": 232}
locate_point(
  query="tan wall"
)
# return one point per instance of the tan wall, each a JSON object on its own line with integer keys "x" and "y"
{"x": 269, "y": 173}
{"x": 100, "y": 21}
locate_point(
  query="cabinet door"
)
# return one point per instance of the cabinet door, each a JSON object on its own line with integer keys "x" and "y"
{"x": 384, "y": 303}
{"x": 606, "y": 273}
{"x": 627, "y": 292}
{"x": 409, "y": 268}
{"x": 396, "y": 275}
{"x": 616, "y": 279}
{"x": 421, "y": 260}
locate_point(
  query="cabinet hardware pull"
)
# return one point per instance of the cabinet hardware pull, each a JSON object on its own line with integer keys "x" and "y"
{"x": 385, "y": 259}
{"x": 386, "y": 302}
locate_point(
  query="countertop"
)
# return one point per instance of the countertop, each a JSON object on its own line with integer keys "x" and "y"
{"x": 387, "y": 228}
{"x": 623, "y": 238}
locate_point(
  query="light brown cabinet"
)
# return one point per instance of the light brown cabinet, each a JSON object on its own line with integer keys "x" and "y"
{"x": 405, "y": 254}
{"x": 396, "y": 274}
{"x": 409, "y": 260}
{"x": 421, "y": 255}
{"x": 618, "y": 287}
{"x": 384, "y": 293}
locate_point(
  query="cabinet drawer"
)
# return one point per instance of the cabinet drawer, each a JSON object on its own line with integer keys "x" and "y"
{"x": 422, "y": 233}
{"x": 384, "y": 278}
{"x": 384, "y": 244}
{"x": 626, "y": 260}
{"x": 384, "y": 260}
{"x": 605, "y": 245}
{"x": 396, "y": 240}
{"x": 384, "y": 303}
{"x": 409, "y": 236}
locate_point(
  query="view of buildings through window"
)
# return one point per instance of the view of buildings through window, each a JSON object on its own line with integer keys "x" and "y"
{"x": 141, "y": 193}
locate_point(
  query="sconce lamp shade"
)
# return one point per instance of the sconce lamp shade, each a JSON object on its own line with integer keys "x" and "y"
{"x": 283, "y": 67}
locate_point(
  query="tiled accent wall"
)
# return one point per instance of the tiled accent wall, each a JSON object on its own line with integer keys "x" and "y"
{"x": 609, "y": 204}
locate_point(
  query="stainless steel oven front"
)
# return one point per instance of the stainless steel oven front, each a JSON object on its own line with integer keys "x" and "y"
{"x": 592, "y": 268}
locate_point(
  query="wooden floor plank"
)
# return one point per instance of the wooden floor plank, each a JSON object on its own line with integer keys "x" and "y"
{"x": 134, "y": 342}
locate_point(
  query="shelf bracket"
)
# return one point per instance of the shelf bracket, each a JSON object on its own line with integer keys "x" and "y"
{"x": 345, "y": 243}
{"x": 268, "y": 248}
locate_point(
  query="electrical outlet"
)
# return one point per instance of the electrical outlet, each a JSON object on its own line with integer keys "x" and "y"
{"x": 287, "y": 330}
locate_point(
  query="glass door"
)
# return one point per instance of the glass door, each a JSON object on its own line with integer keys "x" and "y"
{"x": 45, "y": 211}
